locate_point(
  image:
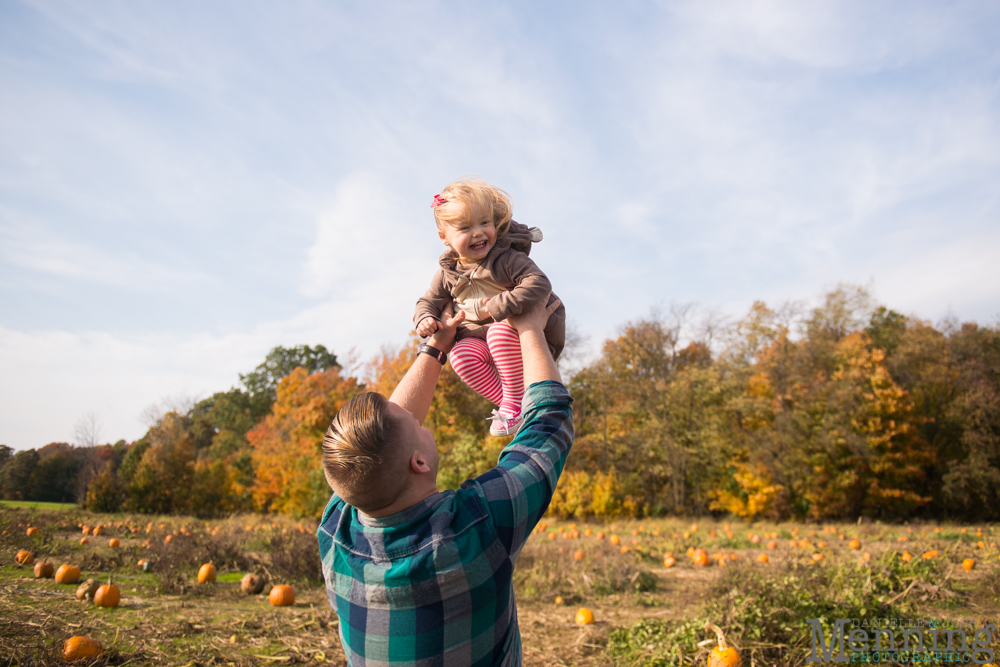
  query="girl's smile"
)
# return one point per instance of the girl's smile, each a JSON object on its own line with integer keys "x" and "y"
{"x": 473, "y": 238}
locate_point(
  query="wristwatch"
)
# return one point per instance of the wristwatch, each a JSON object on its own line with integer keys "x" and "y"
{"x": 434, "y": 352}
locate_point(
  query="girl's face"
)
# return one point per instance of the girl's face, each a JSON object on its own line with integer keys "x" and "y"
{"x": 472, "y": 239}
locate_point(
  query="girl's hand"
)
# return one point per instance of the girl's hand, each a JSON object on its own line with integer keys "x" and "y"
{"x": 427, "y": 327}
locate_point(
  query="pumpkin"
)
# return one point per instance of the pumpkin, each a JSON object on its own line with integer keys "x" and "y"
{"x": 907, "y": 556}
{"x": 79, "y": 648}
{"x": 84, "y": 540}
{"x": 97, "y": 530}
{"x": 85, "y": 530}
{"x": 933, "y": 553}
{"x": 206, "y": 574}
{"x": 584, "y": 616}
{"x": 32, "y": 531}
{"x": 722, "y": 655}
{"x": 282, "y": 595}
{"x": 114, "y": 543}
{"x": 669, "y": 561}
{"x": 817, "y": 557}
{"x": 701, "y": 558}
{"x": 67, "y": 574}
{"x": 559, "y": 599}
{"x": 615, "y": 540}
{"x": 24, "y": 557}
{"x": 773, "y": 544}
{"x": 44, "y": 570}
{"x": 107, "y": 595}
{"x": 578, "y": 554}
{"x": 251, "y": 584}
{"x": 600, "y": 534}
{"x": 968, "y": 564}
{"x": 755, "y": 539}
{"x": 762, "y": 558}
{"x": 854, "y": 544}
{"x": 87, "y": 590}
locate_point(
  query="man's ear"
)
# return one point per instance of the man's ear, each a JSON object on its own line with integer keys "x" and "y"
{"x": 418, "y": 463}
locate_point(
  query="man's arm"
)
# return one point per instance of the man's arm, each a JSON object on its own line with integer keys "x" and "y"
{"x": 538, "y": 363}
{"x": 416, "y": 390}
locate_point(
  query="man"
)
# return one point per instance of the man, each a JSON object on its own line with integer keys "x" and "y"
{"x": 422, "y": 577}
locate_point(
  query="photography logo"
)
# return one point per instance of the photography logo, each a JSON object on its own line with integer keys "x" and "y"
{"x": 895, "y": 640}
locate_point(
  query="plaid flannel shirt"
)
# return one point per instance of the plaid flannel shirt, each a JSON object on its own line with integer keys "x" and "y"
{"x": 431, "y": 586}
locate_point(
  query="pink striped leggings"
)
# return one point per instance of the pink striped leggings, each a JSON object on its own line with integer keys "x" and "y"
{"x": 493, "y": 367}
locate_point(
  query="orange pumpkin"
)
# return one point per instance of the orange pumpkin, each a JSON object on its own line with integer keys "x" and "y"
{"x": 32, "y": 531}
{"x": 206, "y": 574}
{"x": 600, "y": 534}
{"x": 24, "y": 557}
{"x": 722, "y": 655}
{"x": 80, "y": 648}
{"x": 578, "y": 554}
{"x": 67, "y": 574}
{"x": 85, "y": 530}
{"x": 615, "y": 540}
{"x": 107, "y": 595}
{"x": 854, "y": 544}
{"x": 668, "y": 561}
{"x": 773, "y": 544}
{"x": 584, "y": 616}
{"x": 933, "y": 553}
{"x": 114, "y": 543}
{"x": 968, "y": 564}
{"x": 44, "y": 570}
{"x": 701, "y": 558}
{"x": 97, "y": 530}
{"x": 762, "y": 558}
{"x": 282, "y": 595}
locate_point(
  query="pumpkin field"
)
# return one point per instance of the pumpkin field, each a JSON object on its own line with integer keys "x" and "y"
{"x": 169, "y": 590}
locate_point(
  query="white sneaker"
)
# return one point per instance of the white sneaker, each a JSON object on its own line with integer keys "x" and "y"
{"x": 504, "y": 424}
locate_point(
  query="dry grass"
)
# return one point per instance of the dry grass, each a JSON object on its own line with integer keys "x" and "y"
{"x": 643, "y": 609}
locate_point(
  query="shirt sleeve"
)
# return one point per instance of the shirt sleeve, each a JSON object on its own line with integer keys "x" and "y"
{"x": 434, "y": 300}
{"x": 517, "y": 492}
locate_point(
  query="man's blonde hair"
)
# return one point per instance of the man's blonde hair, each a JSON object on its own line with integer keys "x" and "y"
{"x": 363, "y": 460}
{"x": 473, "y": 192}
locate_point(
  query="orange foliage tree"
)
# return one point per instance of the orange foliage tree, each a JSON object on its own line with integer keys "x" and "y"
{"x": 287, "y": 444}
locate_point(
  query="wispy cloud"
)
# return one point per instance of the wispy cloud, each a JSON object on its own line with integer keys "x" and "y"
{"x": 223, "y": 181}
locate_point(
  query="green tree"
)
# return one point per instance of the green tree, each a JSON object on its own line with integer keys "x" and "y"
{"x": 15, "y": 477}
{"x": 263, "y": 381}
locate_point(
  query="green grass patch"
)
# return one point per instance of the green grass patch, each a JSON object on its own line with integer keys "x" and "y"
{"x": 765, "y": 610}
{"x": 36, "y": 505}
{"x": 230, "y": 576}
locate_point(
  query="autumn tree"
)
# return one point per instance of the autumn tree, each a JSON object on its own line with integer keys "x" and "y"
{"x": 287, "y": 444}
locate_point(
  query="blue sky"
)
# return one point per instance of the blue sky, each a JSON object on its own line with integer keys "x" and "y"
{"x": 184, "y": 185}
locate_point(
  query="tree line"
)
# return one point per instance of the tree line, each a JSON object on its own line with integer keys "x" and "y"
{"x": 843, "y": 410}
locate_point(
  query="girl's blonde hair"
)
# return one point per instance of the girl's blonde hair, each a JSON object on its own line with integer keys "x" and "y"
{"x": 472, "y": 192}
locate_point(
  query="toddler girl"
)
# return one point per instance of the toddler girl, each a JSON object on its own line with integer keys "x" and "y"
{"x": 486, "y": 272}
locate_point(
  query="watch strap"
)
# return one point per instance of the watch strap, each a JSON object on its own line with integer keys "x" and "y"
{"x": 434, "y": 352}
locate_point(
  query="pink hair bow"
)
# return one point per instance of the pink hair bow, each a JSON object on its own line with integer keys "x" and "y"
{"x": 438, "y": 200}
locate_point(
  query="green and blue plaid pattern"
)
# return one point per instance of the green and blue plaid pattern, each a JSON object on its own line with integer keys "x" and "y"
{"x": 431, "y": 586}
